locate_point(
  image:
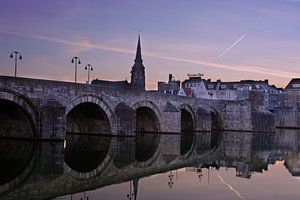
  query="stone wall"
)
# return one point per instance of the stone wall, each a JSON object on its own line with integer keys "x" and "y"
{"x": 236, "y": 115}
{"x": 288, "y": 117}
{"x": 263, "y": 121}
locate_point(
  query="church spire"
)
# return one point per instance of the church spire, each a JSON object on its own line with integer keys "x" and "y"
{"x": 138, "y": 55}
{"x": 138, "y": 70}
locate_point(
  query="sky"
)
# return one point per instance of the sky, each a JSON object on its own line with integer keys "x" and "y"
{"x": 228, "y": 40}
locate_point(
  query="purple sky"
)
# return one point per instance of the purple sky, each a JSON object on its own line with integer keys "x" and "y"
{"x": 230, "y": 40}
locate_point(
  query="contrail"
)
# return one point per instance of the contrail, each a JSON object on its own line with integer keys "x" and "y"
{"x": 230, "y": 187}
{"x": 68, "y": 42}
{"x": 231, "y": 46}
{"x": 243, "y": 68}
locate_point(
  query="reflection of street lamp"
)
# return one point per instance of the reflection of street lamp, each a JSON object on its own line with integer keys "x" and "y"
{"x": 171, "y": 182}
{"x": 131, "y": 194}
{"x": 84, "y": 197}
{"x": 89, "y": 68}
{"x": 15, "y": 55}
{"x": 199, "y": 171}
{"x": 208, "y": 174}
{"x": 76, "y": 60}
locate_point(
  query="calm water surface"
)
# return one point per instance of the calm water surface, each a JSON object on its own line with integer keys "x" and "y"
{"x": 276, "y": 183}
{"x": 202, "y": 165}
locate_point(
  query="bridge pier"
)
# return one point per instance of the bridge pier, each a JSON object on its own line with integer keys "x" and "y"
{"x": 171, "y": 122}
{"x": 52, "y": 120}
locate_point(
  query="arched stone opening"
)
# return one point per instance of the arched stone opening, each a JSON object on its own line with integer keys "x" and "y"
{"x": 88, "y": 118}
{"x": 146, "y": 120}
{"x": 15, "y": 159}
{"x": 187, "y": 131}
{"x": 147, "y": 137}
{"x": 15, "y": 121}
{"x": 187, "y": 122}
{"x": 216, "y": 129}
{"x": 85, "y": 153}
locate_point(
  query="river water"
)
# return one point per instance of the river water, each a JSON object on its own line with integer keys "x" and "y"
{"x": 189, "y": 165}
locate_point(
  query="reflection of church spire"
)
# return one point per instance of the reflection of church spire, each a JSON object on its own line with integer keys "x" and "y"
{"x": 135, "y": 187}
{"x": 138, "y": 70}
{"x": 134, "y": 184}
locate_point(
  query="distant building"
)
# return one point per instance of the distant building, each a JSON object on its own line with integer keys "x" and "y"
{"x": 185, "y": 92}
{"x": 137, "y": 75}
{"x": 259, "y": 91}
{"x": 171, "y": 87}
{"x": 292, "y": 93}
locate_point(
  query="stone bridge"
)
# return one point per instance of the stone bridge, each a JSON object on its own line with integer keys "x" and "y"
{"x": 45, "y": 109}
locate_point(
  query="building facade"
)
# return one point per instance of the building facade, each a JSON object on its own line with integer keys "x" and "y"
{"x": 170, "y": 87}
{"x": 260, "y": 91}
{"x": 292, "y": 93}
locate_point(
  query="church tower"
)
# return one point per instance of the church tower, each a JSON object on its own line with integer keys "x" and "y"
{"x": 138, "y": 70}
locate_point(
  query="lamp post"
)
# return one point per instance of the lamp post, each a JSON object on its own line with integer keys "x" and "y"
{"x": 89, "y": 68}
{"x": 76, "y": 60}
{"x": 17, "y": 55}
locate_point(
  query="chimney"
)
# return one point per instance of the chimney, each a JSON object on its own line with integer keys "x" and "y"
{"x": 170, "y": 77}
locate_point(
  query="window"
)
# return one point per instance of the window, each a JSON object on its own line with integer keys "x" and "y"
{"x": 296, "y": 85}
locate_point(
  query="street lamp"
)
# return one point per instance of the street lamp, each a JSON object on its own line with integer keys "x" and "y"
{"x": 76, "y": 60}
{"x": 16, "y": 55}
{"x": 89, "y": 68}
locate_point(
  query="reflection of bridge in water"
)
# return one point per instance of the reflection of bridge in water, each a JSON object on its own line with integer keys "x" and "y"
{"x": 47, "y": 170}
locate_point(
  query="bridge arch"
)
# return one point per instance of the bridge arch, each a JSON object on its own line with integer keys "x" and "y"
{"x": 216, "y": 128}
{"x": 148, "y": 125}
{"x": 188, "y": 122}
{"x": 147, "y": 110}
{"x": 89, "y": 114}
{"x": 18, "y": 161}
{"x": 188, "y": 127}
{"x": 203, "y": 119}
{"x": 18, "y": 107}
{"x": 86, "y": 156}
{"x": 210, "y": 120}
